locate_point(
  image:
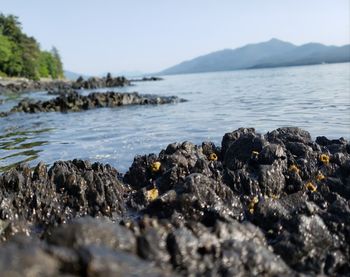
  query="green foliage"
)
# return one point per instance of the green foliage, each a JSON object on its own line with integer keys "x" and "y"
{"x": 50, "y": 64}
{"x": 20, "y": 55}
{"x": 5, "y": 49}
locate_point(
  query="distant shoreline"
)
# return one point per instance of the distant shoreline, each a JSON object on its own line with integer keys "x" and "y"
{"x": 253, "y": 68}
{"x": 20, "y": 85}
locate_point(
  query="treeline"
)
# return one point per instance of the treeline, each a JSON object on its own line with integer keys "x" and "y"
{"x": 20, "y": 55}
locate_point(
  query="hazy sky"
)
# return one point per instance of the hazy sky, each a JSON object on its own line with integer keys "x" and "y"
{"x": 95, "y": 36}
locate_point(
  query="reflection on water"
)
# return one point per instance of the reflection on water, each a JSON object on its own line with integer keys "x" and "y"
{"x": 316, "y": 98}
{"x": 19, "y": 147}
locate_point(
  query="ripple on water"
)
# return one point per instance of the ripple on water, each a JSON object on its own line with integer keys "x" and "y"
{"x": 316, "y": 98}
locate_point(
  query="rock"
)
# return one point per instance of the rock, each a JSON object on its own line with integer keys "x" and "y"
{"x": 95, "y": 82}
{"x": 272, "y": 205}
{"x": 104, "y": 262}
{"x": 73, "y": 102}
{"x": 23, "y": 85}
{"x": 56, "y": 86}
{"x": 146, "y": 79}
{"x": 26, "y": 258}
{"x": 88, "y": 231}
{"x": 69, "y": 189}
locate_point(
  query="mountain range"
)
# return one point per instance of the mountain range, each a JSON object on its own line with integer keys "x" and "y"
{"x": 272, "y": 53}
{"x": 70, "y": 75}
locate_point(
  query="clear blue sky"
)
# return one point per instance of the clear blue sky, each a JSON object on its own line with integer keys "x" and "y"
{"x": 95, "y": 36}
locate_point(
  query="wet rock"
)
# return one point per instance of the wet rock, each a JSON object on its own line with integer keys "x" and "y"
{"x": 96, "y": 82}
{"x": 272, "y": 205}
{"x": 57, "y": 86}
{"x": 229, "y": 138}
{"x": 98, "y": 232}
{"x": 305, "y": 245}
{"x": 248, "y": 258}
{"x": 74, "y": 102}
{"x": 104, "y": 262}
{"x": 26, "y": 258}
{"x": 147, "y": 79}
{"x": 69, "y": 189}
{"x": 242, "y": 150}
{"x": 289, "y": 134}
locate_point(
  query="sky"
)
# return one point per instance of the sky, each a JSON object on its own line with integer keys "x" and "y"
{"x": 98, "y": 36}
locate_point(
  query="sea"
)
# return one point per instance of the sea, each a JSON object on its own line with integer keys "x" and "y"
{"x": 315, "y": 98}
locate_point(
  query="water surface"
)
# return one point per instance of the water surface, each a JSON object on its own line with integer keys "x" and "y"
{"x": 316, "y": 98}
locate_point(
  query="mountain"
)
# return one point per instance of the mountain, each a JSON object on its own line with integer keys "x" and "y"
{"x": 127, "y": 74}
{"x": 311, "y": 53}
{"x": 272, "y": 53}
{"x": 73, "y": 75}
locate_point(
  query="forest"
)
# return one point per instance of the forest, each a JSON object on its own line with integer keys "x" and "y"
{"x": 21, "y": 56}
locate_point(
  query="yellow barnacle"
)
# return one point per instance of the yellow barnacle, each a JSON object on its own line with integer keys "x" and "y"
{"x": 155, "y": 166}
{"x": 274, "y": 196}
{"x": 311, "y": 187}
{"x": 152, "y": 194}
{"x": 320, "y": 176}
{"x": 213, "y": 157}
{"x": 294, "y": 168}
{"x": 252, "y": 204}
{"x": 324, "y": 159}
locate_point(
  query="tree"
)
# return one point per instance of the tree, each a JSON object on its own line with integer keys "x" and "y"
{"x": 20, "y": 55}
{"x": 11, "y": 27}
{"x": 5, "y": 50}
{"x": 58, "y": 62}
{"x": 30, "y": 56}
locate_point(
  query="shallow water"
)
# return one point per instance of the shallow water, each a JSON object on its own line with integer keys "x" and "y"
{"x": 316, "y": 98}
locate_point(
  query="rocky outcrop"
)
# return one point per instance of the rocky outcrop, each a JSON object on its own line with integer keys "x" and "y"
{"x": 258, "y": 205}
{"x": 24, "y": 85}
{"x": 74, "y": 102}
{"x": 147, "y": 79}
{"x": 96, "y": 82}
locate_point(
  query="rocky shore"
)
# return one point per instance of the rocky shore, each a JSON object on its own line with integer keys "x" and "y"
{"x": 21, "y": 85}
{"x": 72, "y": 101}
{"x": 24, "y": 85}
{"x": 258, "y": 205}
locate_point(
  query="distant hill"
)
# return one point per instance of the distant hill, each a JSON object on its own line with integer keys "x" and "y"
{"x": 272, "y": 53}
{"x": 73, "y": 75}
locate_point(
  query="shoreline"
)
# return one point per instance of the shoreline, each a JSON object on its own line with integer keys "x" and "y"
{"x": 256, "y": 197}
{"x": 21, "y": 85}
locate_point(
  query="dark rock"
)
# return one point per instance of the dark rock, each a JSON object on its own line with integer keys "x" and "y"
{"x": 229, "y": 138}
{"x": 146, "y": 79}
{"x": 67, "y": 190}
{"x": 74, "y": 102}
{"x": 95, "y": 82}
{"x": 242, "y": 150}
{"x": 273, "y": 205}
{"x": 88, "y": 231}
{"x": 289, "y": 134}
{"x": 26, "y": 258}
{"x": 104, "y": 262}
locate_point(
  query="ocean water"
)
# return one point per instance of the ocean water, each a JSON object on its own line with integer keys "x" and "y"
{"x": 316, "y": 98}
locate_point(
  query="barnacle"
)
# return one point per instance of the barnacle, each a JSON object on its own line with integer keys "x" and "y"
{"x": 155, "y": 167}
{"x": 310, "y": 186}
{"x": 254, "y": 155}
{"x": 252, "y": 204}
{"x": 294, "y": 168}
{"x": 324, "y": 158}
{"x": 320, "y": 176}
{"x": 213, "y": 157}
{"x": 274, "y": 196}
{"x": 152, "y": 194}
